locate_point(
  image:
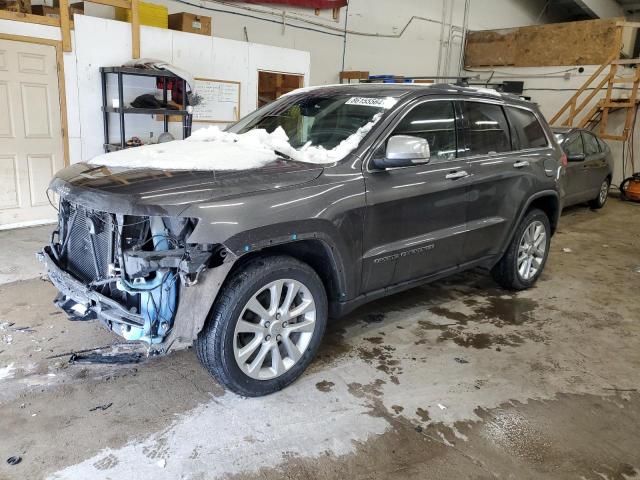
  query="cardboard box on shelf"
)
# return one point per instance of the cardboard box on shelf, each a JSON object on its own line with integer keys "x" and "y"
{"x": 45, "y": 10}
{"x": 188, "y": 22}
{"x": 54, "y": 12}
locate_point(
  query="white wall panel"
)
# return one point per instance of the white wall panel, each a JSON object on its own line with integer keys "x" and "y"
{"x": 155, "y": 43}
{"x": 202, "y": 56}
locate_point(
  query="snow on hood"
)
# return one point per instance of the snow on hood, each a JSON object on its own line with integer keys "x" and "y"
{"x": 212, "y": 149}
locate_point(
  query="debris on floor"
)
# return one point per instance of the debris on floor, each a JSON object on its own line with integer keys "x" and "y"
{"x": 14, "y": 460}
{"x": 118, "y": 358}
{"x": 101, "y": 407}
{"x": 567, "y": 250}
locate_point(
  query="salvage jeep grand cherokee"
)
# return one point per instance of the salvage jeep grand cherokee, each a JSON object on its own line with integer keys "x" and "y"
{"x": 245, "y": 241}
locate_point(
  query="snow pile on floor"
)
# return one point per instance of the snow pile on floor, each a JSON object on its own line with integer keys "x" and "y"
{"x": 212, "y": 149}
{"x": 7, "y": 372}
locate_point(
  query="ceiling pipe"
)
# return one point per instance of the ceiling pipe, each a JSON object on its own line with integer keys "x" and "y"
{"x": 320, "y": 4}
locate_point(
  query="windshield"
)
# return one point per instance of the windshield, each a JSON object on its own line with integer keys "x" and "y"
{"x": 316, "y": 120}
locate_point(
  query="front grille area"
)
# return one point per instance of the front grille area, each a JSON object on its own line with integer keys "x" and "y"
{"x": 90, "y": 244}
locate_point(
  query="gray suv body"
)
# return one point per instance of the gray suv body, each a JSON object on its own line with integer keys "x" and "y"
{"x": 250, "y": 264}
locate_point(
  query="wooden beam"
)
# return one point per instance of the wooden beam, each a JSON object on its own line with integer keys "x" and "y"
{"x": 135, "y": 30}
{"x": 628, "y": 24}
{"x": 65, "y": 25}
{"x": 113, "y": 3}
{"x": 608, "y": 136}
{"x": 627, "y": 61}
{"x": 62, "y": 92}
{"x": 29, "y": 18}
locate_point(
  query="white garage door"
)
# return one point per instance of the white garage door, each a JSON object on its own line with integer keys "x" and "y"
{"x": 31, "y": 147}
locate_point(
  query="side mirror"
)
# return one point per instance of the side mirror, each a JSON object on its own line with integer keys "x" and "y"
{"x": 576, "y": 157}
{"x": 404, "y": 151}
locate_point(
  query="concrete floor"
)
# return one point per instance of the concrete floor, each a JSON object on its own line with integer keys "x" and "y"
{"x": 453, "y": 380}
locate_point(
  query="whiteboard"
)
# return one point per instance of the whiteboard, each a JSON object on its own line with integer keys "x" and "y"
{"x": 219, "y": 101}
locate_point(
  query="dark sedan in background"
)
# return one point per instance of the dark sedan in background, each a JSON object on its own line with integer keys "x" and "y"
{"x": 589, "y": 168}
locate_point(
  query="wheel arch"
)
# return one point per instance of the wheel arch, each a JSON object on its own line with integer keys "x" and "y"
{"x": 315, "y": 252}
{"x": 549, "y": 203}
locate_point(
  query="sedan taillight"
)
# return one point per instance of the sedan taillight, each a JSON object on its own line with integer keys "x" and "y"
{"x": 563, "y": 159}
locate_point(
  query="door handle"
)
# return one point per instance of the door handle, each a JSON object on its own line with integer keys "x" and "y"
{"x": 455, "y": 175}
{"x": 523, "y": 163}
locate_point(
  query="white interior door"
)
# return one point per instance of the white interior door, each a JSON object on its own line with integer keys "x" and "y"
{"x": 31, "y": 148}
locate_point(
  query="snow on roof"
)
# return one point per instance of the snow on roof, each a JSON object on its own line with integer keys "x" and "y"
{"x": 213, "y": 149}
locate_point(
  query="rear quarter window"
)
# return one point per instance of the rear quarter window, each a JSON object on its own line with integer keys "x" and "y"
{"x": 527, "y": 129}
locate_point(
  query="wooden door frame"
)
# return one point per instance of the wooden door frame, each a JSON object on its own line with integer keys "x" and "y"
{"x": 57, "y": 44}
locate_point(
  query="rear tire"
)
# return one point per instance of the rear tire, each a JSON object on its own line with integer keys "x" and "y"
{"x": 598, "y": 202}
{"x": 527, "y": 254}
{"x": 265, "y": 327}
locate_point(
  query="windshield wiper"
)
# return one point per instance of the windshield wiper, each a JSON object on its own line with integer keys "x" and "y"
{"x": 283, "y": 155}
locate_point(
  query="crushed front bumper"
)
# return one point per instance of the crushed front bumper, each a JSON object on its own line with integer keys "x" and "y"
{"x": 83, "y": 303}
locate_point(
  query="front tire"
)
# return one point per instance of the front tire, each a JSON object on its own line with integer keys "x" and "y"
{"x": 527, "y": 254}
{"x": 598, "y": 202}
{"x": 265, "y": 327}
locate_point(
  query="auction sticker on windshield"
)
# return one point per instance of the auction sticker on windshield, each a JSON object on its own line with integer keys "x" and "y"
{"x": 386, "y": 102}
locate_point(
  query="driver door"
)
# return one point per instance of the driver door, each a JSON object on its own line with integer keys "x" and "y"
{"x": 415, "y": 217}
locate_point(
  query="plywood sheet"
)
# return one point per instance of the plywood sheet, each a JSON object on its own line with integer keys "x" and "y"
{"x": 491, "y": 47}
{"x": 589, "y": 42}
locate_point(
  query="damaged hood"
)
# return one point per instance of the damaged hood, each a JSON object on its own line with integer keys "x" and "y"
{"x": 146, "y": 191}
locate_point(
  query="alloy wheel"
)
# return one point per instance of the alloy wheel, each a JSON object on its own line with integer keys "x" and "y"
{"x": 274, "y": 329}
{"x": 604, "y": 191}
{"x": 532, "y": 249}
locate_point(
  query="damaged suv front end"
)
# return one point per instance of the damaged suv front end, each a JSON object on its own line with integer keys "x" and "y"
{"x": 125, "y": 270}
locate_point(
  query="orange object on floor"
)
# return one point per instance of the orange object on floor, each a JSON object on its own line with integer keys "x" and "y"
{"x": 630, "y": 188}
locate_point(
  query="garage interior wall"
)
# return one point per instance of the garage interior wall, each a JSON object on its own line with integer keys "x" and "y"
{"x": 378, "y": 27}
{"x": 202, "y": 56}
{"x": 402, "y": 38}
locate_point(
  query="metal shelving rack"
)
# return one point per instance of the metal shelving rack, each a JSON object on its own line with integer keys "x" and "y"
{"x": 122, "y": 111}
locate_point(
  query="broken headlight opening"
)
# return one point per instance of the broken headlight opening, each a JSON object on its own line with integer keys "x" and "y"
{"x": 124, "y": 270}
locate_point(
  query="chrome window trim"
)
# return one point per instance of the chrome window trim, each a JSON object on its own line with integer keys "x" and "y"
{"x": 471, "y": 158}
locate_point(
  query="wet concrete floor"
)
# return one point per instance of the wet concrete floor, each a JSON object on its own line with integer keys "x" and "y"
{"x": 457, "y": 379}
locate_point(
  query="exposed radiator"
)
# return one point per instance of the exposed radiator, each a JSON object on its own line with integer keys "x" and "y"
{"x": 90, "y": 245}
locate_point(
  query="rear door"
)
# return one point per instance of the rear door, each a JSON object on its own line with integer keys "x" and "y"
{"x": 415, "y": 217}
{"x": 595, "y": 164}
{"x": 576, "y": 183}
{"x": 507, "y": 146}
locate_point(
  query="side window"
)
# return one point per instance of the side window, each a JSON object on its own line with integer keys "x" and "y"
{"x": 573, "y": 146}
{"x": 528, "y": 131}
{"x": 436, "y": 122}
{"x": 488, "y": 129}
{"x": 591, "y": 146}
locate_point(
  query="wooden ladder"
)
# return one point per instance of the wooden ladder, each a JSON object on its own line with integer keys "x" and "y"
{"x": 577, "y": 103}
